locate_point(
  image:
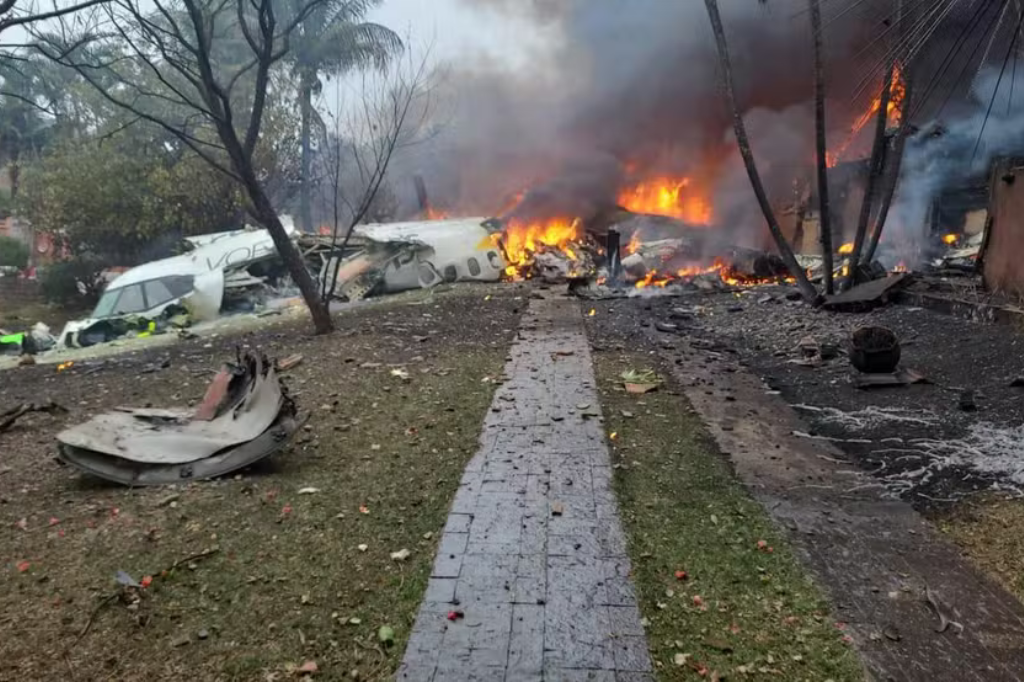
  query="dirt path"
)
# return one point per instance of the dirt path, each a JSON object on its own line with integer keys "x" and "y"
{"x": 531, "y": 580}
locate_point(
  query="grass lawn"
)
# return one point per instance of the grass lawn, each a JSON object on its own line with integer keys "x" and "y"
{"x": 988, "y": 530}
{"x": 302, "y": 571}
{"x": 720, "y": 588}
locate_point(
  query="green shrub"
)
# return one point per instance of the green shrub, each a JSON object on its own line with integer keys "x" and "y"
{"x": 13, "y": 253}
{"x": 73, "y": 283}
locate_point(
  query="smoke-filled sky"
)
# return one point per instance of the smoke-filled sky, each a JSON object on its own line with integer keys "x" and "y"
{"x": 572, "y": 98}
{"x": 458, "y": 30}
{"x": 568, "y": 97}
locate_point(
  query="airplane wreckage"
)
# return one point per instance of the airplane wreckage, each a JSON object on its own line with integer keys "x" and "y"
{"x": 245, "y": 416}
{"x": 239, "y": 271}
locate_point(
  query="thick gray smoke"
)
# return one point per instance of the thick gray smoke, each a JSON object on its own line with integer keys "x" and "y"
{"x": 954, "y": 151}
{"x": 631, "y": 89}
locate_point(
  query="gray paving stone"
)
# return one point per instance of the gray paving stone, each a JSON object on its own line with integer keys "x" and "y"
{"x": 631, "y": 654}
{"x": 556, "y": 674}
{"x": 533, "y": 549}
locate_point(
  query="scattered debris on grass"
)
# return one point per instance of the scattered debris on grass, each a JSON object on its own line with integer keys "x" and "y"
{"x": 742, "y": 602}
{"x": 246, "y": 415}
{"x": 8, "y": 417}
{"x": 640, "y": 382}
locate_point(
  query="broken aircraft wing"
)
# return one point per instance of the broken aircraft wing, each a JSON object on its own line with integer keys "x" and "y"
{"x": 252, "y": 418}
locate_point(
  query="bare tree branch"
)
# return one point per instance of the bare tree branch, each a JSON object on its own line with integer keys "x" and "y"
{"x": 7, "y": 8}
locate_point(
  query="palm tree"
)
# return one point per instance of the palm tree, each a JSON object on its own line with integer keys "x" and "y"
{"x": 824, "y": 206}
{"x": 331, "y": 40}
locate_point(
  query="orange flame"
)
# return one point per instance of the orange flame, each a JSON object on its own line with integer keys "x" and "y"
{"x": 724, "y": 271}
{"x": 846, "y": 249}
{"x": 523, "y": 240}
{"x": 951, "y": 239}
{"x": 897, "y": 96}
{"x": 436, "y": 214}
{"x": 672, "y": 197}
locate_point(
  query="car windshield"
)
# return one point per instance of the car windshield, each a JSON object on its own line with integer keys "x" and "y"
{"x": 128, "y": 300}
{"x": 105, "y": 307}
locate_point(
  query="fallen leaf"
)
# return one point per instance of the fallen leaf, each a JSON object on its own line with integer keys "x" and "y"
{"x": 681, "y": 659}
{"x": 146, "y": 581}
{"x": 400, "y": 374}
{"x": 54, "y": 520}
{"x": 307, "y": 668}
{"x": 401, "y": 555}
{"x": 363, "y": 509}
{"x": 309, "y": 491}
{"x": 627, "y": 415}
{"x": 680, "y": 575}
{"x": 355, "y": 621}
{"x": 286, "y": 510}
{"x": 363, "y": 548}
{"x": 23, "y": 566}
{"x": 557, "y": 508}
{"x": 761, "y": 544}
{"x": 640, "y": 389}
{"x": 455, "y": 615}
{"x": 386, "y": 635}
{"x": 22, "y": 524}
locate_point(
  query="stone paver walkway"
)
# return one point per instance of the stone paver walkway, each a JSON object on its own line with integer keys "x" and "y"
{"x": 533, "y": 553}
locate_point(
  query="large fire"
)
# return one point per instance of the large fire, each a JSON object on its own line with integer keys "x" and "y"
{"x": 897, "y": 95}
{"x": 723, "y": 270}
{"x": 523, "y": 240}
{"x": 672, "y": 197}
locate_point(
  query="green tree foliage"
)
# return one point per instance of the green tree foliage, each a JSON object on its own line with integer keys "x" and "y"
{"x": 120, "y": 200}
{"x": 75, "y": 283}
{"x": 13, "y": 253}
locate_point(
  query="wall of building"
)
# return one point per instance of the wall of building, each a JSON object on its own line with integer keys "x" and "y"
{"x": 1003, "y": 270}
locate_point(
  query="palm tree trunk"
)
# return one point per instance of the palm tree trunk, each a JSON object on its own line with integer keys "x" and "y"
{"x": 305, "y": 181}
{"x": 824, "y": 205}
{"x": 893, "y": 176}
{"x": 743, "y": 142}
{"x": 878, "y": 153}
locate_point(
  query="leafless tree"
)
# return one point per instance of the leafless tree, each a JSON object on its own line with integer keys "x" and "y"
{"x": 390, "y": 112}
{"x": 743, "y": 142}
{"x": 821, "y": 140}
{"x": 200, "y": 70}
{"x": 13, "y": 13}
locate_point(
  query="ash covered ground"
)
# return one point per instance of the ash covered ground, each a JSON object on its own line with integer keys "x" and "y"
{"x": 931, "y": 444}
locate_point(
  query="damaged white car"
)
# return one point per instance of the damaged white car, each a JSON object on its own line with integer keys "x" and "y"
{"x": 194, "y": 284}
